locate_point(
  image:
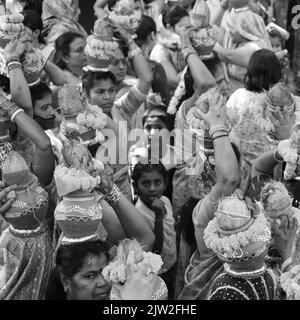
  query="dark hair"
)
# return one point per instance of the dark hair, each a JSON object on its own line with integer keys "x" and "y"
{"x": 90, "y": 77}
{"x": 4, "y": 83}
{"x": 62, "y": 46}
{"x": 39, "y": 91}
{"x": 140, "y": 168}
{"x": 69, "y": 260}
{"x": 34, "y": 21}
{"x": 166, "y": 118}
{"x": 263, "y": 71}
{"x": 173, "y": 16}
{"x": 145, "y": 28}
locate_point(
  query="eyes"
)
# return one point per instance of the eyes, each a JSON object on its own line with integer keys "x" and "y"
{"x": 103, "y": 92}
{"x": 93, "y": 275}
{"x": 147, "y": 184}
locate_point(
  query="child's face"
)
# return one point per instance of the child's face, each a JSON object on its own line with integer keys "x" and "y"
{"x": 151, "y": 186}
{"x": 276, "y": 44}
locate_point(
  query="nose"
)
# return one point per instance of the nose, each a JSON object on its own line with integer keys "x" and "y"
{"x": 101, "y": 281}
{"x": 106, "y": 95}
{"x": 152, "y": 187}
{"x": 52, "y": 112}
{"x": 121, "y": 65}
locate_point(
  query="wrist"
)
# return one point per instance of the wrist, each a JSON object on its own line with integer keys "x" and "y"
{"x": 12, "y": 59}
{"x": 114, "y": 196}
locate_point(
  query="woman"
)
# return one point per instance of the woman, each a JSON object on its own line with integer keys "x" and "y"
{"x": 59, "y": 17}
{"x": 172, "y": 60}
{"x": 79, "y": 275}
{"x": 70, "y": 56}
{"x": 247, "y": 35}
{"x": 28, "y": 252}
{"x": 205, "y": 266}
{"x": 17, "y": 6}
{"x": 146, "y": 40}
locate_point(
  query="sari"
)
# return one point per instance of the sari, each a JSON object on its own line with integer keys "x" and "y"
{"x": 252, "y": 28}
{"x": 25, "y": 264}
{"x": 60, "y": 16}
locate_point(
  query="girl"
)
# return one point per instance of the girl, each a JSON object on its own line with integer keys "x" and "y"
{"x": 149, "y": 182}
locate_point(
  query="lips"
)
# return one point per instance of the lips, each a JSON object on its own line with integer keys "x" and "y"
{"x": 104, "y": 295}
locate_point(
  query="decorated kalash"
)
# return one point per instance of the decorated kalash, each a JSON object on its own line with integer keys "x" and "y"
{"x": 32, "y": 61}
{"x": 26, "y": 241}
{"x": 79, "y": 214}
{"x": 240, "y": 237}
{"x": 203, "y": 38}
{"x": 82, "y": 122}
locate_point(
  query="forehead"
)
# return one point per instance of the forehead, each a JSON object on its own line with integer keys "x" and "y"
{"x": 46, "y": 99}
{"x": 76, "y": 43}
{"x": 103, "y": 84}
{"x": 184, "y": 21}
{"x": 151, "y": 176}
{"x": 154, "y": 121}
{"x": 93, "y": 262}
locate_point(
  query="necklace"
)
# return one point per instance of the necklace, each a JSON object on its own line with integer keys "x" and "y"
{"x": 244, "y": 274}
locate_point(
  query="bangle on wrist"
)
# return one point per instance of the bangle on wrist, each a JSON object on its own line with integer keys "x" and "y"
{"x": 287, "y": 263}
{"x": 114, "y": 196}
{"x": 133, "y": 53}
{"x": 219, "y": 136}
{"x": 12, "y": 59}
{"x": 217, "y": 128}
{"x": 275, "y": 156}
{"x": 14, "y": 65}
{"x": 219, "y": 133}
{"x": 12, "y": 118}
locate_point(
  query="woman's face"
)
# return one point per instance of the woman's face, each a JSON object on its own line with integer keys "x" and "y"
{"x": 43, "y": 108}
{"x": 152, "y": 125}
{"x": 182, "y": 25}
{"x": 103, "y": 94}
{"x": 88, "y": 283}
{"x": 77, "y": 57}
{"x": 119, "y": 69}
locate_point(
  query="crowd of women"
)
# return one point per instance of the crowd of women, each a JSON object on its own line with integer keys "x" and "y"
{"x": 154, "y": 157}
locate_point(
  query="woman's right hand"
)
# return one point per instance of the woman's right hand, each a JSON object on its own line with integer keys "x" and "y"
{"x": 138, "y": 285}
{"x": 216, "y": 114}
{"x": 17, "y": 46}
{"x": 5, "y": 202}
{"x": 107, "y": 180}
{"x": 285, "y": 236}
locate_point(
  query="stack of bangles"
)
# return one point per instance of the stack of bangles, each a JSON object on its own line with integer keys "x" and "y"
{"x": 134, "y": 52}
{"x": 218, "y": 131}
{"x": 13, "y": 63}
{"x": 287, "y": 263}
{"x": 114, "y": 196}
{"x": 187, "y": 51}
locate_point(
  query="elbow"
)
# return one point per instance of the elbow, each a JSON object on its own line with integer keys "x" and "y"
{"x": 44, "y": 144}
{"x": 148, "y": 241}
{"x": 231, "y": 183}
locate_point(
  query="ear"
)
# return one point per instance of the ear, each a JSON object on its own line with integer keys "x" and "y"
{"x": 36, "y": 33}
{"x": 65, "y": 282}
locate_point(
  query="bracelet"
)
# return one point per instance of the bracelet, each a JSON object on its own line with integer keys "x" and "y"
{"x": 114, "y": 196}
{"x": 275, "y": 157}
{"x": 216, "y": 128}
{"x": 13, "y": 66}
{"x": 134, "y": 53}
{"x": 12, "y": 118}
{"x": 220, "y": 136}
{"x": 286, "y": 264}
{"x": 12, "y": 59}
{"x": 218, "y": 133}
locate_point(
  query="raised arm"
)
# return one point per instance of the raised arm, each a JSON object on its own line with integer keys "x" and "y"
{"x": 203, "y": 79}
{"x": 43, "y": 162}
{"x": 239, "y": 56}
{"x": 56, "y": 75}
{"x": 99, "y": 8}
{"x": 218, "y": 13}
{"x": 266, "y": 163}
{"x": 19, "y": 89}
{"x": 140, "y": 63}
{"x": 131, "y": 220}
{"x": 226, "y": 167}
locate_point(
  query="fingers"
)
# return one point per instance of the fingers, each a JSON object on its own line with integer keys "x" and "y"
{"x": 6, "y": 206}
{"x": 6, "y": 191}
{"x": 130, "y": 265}
{"x": 2, "y": 184}
{"x": 284, "y": 223}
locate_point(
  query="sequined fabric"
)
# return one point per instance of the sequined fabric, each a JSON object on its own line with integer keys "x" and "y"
{"x": 227, "y": 287}
{"x": 25, "y": 264}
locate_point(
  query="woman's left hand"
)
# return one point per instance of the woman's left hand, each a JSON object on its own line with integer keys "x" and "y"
{"x": 138, "y": 285}
{"x": 107, "y": 180}
{"x": 184, "y": 34}
{"x": 5, "y": 201}
{"x": 283, "y": 124}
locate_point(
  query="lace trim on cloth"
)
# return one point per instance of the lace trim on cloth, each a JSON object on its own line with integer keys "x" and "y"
{"x": 26, "y": 233}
